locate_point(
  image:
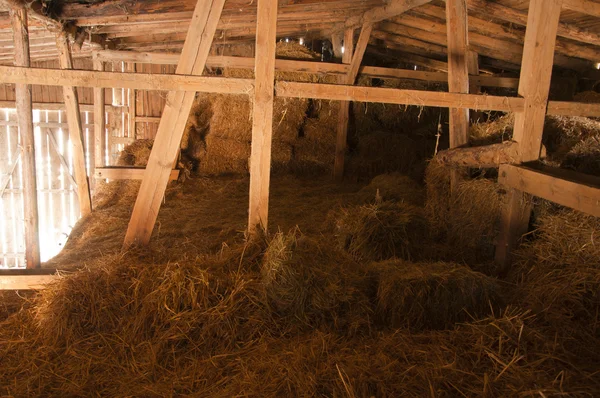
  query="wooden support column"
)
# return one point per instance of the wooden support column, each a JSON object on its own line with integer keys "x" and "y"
{"x": 458, "y": 72}
{"x": 336, "y": 42}
{"x": 262, "y": 115}
{"x": 172, "y": 123}
{"x": 534, "y": 87}
{"x": 131, "y": 105}
{"x": 354, "y": 58}
{"x": 75, "y": 129}
{"x": 344, "y": 112}
{"x": 474, "y": 86}
{"x": 99, "y": 120}
{"x": 24, "y": 113}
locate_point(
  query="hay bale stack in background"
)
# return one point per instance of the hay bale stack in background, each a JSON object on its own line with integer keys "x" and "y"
{"x": 383, "y": 152}
{"x": 393, "y": 187}
{"x": 432, "y": 295}
{"x": 136, "y": 154}
{"x": 381, "y": 231}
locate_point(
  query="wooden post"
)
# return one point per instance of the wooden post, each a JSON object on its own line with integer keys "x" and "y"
{"x": 474, "y": 88}
{"x": 344, "y": 112}
{"x": 172, "y": 123}
{"x": 336, "y": 43}
{"x": 458, "y": 72}
{"x": 262, "y": 115}
{"x": 131, "y": 104}
{"x": 99, "y": 119}
{"x": 534, "y": 87}
{"x": 24, "y": 113}
{"x": 75, "y": 130}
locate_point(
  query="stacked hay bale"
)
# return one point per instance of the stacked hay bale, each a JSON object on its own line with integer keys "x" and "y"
{"x": 228, "y": 141}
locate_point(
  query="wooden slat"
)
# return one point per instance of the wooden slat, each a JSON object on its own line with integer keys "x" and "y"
{"x": 127, "y": 173}
{"x": 140, "y": 81}
{"x": 534, "y": 87}
{"x": 26, "y": 279}
{"x": 24, "y": 113}
{"x": 564, "y": 187}
{"x": 75, "y": 130}
{"x": 262, "y": 115}
{"x": 561, "y": 108}
{"x": 396, "y": 96}
{"x": 99, "y": 119}
{"x": 174, "y": 117}
{"x": 131, "y": 105}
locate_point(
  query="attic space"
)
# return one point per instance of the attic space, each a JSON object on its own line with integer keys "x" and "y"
{"x": 300, "y": 198}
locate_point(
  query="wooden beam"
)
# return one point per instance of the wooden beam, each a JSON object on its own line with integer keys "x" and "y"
{"x": 344, "y": 111}
{"x": 587, "y": 7}
{"x": 127, "y": 173}
{"x": 395, "y": 96}
{"x": 262, "y": 115}
{"x": 51, "y": 106}
{"x": 131, "y": 104}
{"x": 27, "y": 279}
{"x": 487, "y": 156}
{"x": 25, "y": 117}
{"x": 358, "y": 54}
{"x": 508, "y": 14}
{"x": 458, "y": 68}
{"x": 391, "y": 9}
{"x": 564, "y": 187}
{"x": 171, "y": 127}
{"x": 534, "y": 87}
{"x": 75, "y": 130}
{"x": 304, "y": 66}
{"x": 562, "y": 108}
{"x": 139, "y": 81}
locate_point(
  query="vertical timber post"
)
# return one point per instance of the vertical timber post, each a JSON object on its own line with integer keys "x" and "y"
{"x": 262, "y": 115}
{"x": 24, "y": 113}
{"x": 344, "y": 113}
{"x": 534, "y": 87}
{"x": 99, "y": 118}
{"x": 75, "y": 129}
{"x": 131, "y": 104}
{"x": 458, "y": 72}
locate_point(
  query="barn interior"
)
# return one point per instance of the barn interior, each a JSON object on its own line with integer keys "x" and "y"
{"x": 341, "y": 198}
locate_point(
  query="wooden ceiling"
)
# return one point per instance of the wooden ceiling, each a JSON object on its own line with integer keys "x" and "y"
{"x": 496, "y": 28}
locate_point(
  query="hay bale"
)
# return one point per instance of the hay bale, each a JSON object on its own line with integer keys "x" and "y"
{"x": 559, "y": 270}
{"x": 197, "y": 125}
{"x": 315, "y": 151}
{"x": 492, "y": 132}
{"x": 393, "y": 187}
{"x": 590, "y": 97}
{"x": 432, "y": 295}
{"x": 136, "y": 154}
{"x": 382, "y": 230}
{"x": 380, "y": 153}
{"x": 225, "y": 155}
{"x": 584, "y": 157}
{"x": 313, "y": 283}
{"x": 466, "y": 220}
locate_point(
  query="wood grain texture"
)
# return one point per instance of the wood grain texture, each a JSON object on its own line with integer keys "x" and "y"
{"x": 262, "y": 115}
{"x": 25, "y": 118}
{"x": 75, "y": 130}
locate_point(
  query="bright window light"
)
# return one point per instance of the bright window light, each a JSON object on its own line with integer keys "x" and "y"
{"x": 301, "y": 41}
{"x": 342, "y": 49}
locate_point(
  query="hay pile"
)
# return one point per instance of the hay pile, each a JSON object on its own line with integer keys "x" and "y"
{"x": 382, "y": 231}
{"x": 278, "y": 317}
{"x": 136, "y": 154}
{"x": 432, "y": 295}
{"x": 467, "y": 221}
{"x": 590, "y": 97}
{"x": 395, "y": 187}
{"x": 559, "y": 274}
